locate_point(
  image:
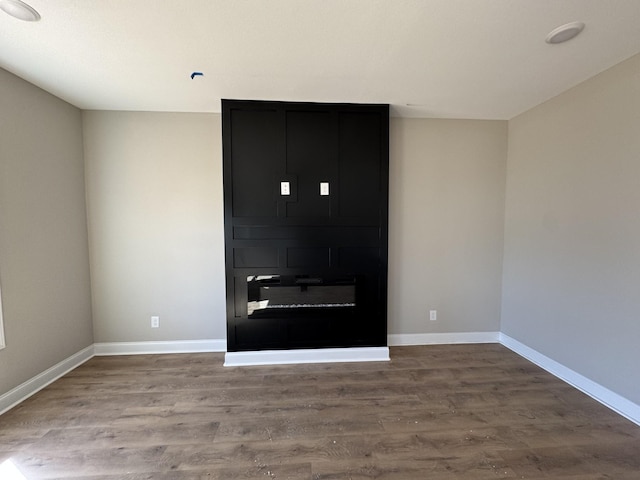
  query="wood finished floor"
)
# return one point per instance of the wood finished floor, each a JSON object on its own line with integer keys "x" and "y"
{"x": 434, "y": 412}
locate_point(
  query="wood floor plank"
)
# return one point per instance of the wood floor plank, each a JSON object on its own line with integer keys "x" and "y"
{"x": 440, "y": 412}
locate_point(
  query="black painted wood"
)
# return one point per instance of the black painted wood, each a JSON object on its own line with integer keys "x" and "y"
{"x": 306, "y": 235}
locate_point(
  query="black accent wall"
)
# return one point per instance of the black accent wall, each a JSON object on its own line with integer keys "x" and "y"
{"x": 306, "y": 266}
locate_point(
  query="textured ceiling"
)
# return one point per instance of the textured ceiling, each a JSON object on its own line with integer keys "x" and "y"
{"x": 427, "y": 58}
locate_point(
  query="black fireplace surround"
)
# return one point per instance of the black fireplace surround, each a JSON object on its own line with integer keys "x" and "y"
{"x": 306, "y": 205}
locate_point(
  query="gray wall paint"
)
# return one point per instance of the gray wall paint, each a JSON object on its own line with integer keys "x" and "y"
{"x": 154, "y": 189}
{"x": 44, "y": 262}
{"x": 446, "y": 224}
{"x": 154, "y": 196}
{"x": 572, "y": 234}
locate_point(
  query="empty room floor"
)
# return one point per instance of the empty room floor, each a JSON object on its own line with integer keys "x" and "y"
{"x": 433, "y": 412}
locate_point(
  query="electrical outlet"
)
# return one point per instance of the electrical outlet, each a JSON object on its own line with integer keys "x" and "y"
{"x": 433, "y": 315}
{"x": 155, "y": 322}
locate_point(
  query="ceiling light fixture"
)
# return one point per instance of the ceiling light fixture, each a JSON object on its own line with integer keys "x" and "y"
{"x": 19, "y": 10}
{"x": 564, "y": 32}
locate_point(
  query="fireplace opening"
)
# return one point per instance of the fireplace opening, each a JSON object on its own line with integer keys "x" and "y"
{"x": 274, "y": 296}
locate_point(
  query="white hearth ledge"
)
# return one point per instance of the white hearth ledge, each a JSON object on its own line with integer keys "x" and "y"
{"x": 316, "y": 355}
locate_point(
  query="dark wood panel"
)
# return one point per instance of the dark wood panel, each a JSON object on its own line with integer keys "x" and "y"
{"x": 239, "y": 299}
{"x": 345, "y": 235}
{"x": 256, "y": 146}
{"x": 258, "y": 257}
{"x": 312, "y": 157}
{"x": 363, "y": 258}
{"x": 309, "y": 257}
{"x": 360, "y": 158}
{"x": 264, "y": 333}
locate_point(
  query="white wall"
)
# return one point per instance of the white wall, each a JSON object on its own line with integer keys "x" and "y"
{"x": 154, "y": 197}
{"x": 44, "y": 262}
{"x": 446, "y": 224}
{"x": 572, "y": 235}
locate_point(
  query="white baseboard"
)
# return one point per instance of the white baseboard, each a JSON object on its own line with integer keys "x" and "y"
{"x": 179, "y": 346}
{"x": 617, "y": 403}
{"x": 397, "y": 340}
{"x": 37, "y": 383}
{"x": 318, "y": 355}
{"x": 610, "y": 399}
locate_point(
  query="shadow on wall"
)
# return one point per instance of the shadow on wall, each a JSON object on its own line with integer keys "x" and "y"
{"x": 2, "y": 344}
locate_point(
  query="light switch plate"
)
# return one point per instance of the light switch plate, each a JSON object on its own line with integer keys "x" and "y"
{"x": 324, "y": 188}
{"x": 285, "y": 188}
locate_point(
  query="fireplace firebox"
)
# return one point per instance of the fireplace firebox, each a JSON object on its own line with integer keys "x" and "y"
{"x": 299, "y": 295}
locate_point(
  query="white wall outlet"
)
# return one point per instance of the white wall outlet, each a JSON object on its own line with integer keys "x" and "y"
{"x": 155, "y": 322}
{"x": 324, "y": 188}
{"x": 285, "y": 188}
{"x": 433, "y": 315}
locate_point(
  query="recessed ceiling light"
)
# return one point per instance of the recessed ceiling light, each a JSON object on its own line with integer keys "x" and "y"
{"x": 564, "y": 32}
{"x": 19, "y": 10}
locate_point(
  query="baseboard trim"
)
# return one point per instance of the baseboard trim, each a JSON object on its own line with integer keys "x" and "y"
{"x": 37, "y": 383}
{"x": 398, "y": 340}
{"x": 143, "y": 348}
{"x": 319, "y": 355}
{"x": 609, "y": 399}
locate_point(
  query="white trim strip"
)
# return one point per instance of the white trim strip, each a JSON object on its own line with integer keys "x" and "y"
{"x": 398, "y": 340}
{"x": 37, "y": 383}
{"x": 142, "y": 348}
{"x": 610, "y": 399}
{"x": 316, "y": 355}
